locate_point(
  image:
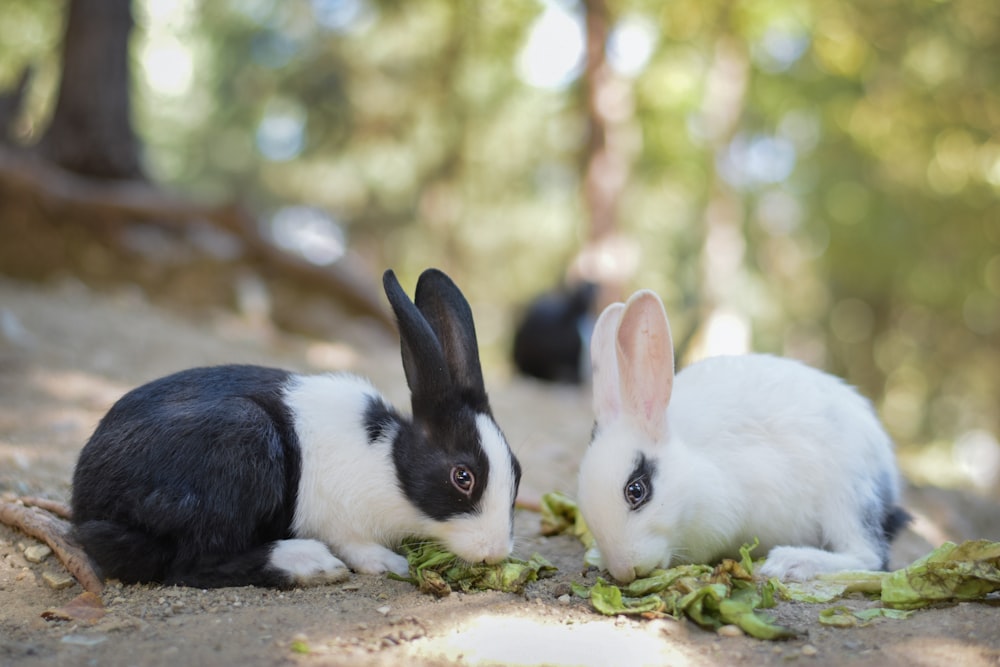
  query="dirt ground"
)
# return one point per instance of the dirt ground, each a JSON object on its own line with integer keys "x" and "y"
{"x": 66, "y": 354}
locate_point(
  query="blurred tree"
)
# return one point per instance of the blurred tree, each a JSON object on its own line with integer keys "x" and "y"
{"x": 91, "y": 129}
{"x": 129, "y": 230}
{"x": 816, "y": 178}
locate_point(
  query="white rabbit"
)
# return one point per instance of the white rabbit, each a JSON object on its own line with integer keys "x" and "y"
{"x": 237, "y": 475}
{"x": 734, "y": 448}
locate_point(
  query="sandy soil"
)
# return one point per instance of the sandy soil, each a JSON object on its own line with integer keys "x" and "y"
{"x": 66, "y": 354}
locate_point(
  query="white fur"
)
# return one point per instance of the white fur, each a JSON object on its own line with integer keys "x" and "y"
{"x": 748, "y": 446}
{"x": 486, "y": 535}
{"x": 348, "y": 496}
{"x": 350, "y": 499}
{"x": 308, "y": 561}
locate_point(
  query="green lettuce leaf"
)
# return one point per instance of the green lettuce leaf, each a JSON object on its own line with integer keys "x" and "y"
{"x": 435, "y": 570}
{"x": 968, "y": 571}
{"x": 710, "y": 596}
{"x": 728, "y": 593}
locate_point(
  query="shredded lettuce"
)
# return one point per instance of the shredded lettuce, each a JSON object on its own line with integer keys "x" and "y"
{"x": 435, "y": 570}
{"x": 729, "y": 594}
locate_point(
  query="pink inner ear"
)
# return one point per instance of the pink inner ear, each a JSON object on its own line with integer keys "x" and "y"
{"x": 645, "y": 354}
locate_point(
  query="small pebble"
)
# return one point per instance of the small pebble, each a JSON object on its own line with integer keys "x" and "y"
{"x": 58, "y": 580}
{"x": 809, "y": 649}
{"x": 563, "y": 599}
{"x": 37, "y": 553}
{"x": 384, "y": 610}
{"x": 730, "y": 631}
{"x": 562, "y": 589}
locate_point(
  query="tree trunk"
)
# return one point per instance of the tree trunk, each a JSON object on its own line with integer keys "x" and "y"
{"x": 91, "y": 130}
{"x": 604, "y": 172}
{"x": 609, "y": 258}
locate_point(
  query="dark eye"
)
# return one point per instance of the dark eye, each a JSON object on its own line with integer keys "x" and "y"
{"x": 637, "y": 492}
{"x": 463, "y": 479}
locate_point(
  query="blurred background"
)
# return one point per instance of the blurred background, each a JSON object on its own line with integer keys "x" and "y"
{"x": 811, "y": 178}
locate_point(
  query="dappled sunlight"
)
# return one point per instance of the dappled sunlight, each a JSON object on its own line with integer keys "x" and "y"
{"x": 310, "y": 233}
{"x": 332, "y": 356}
{"x": 727, "y": 332}
{"x": 70, "y": 386}
{"x": 933, "y": 651}
{"x": 552, "y": 57}
{"x": 526, "y": 640}
{"x": 47, "y": 422}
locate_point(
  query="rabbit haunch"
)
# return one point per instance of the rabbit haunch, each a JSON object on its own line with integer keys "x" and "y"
{"x": 689, "y": 468}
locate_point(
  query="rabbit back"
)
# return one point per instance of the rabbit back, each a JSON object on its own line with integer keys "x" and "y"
{"x": 803, "y": 455}
{"x": 198, "y": 467}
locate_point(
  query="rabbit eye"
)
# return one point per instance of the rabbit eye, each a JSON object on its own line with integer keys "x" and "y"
{"x": 637, "y": 492}
{"x": 463, "y": 479}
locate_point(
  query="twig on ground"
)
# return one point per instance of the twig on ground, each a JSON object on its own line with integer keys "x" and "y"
{"x": 41, "y": 522}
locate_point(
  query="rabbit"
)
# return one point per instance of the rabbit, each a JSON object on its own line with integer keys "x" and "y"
{"x": 244, "y": 475}
{"x": 687, "y": 469}
{"x": 550, "y": 342}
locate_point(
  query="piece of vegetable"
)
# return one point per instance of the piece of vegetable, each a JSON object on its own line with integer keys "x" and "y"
{"x": 437, "y": 571}
{"x": 560, "y": 514}
{"x": 967, "y": 571}
{"x": 728, "y": 594}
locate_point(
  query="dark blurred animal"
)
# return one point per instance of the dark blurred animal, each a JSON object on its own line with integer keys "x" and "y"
{"x": 551, "y": 340}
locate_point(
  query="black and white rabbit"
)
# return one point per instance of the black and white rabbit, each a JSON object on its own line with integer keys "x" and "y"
{"x": 239, "y": 475}
{"x": 689, "y": 468}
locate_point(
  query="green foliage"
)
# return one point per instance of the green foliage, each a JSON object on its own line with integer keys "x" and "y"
{"x": 435, "y": 570}
{"x": 728, "y": 593}
{"x": 852, "y": 142}
{"x": 709, "y": 596}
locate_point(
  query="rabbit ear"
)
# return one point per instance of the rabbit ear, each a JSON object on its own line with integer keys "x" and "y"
{"x": 604, "y": 363}
{"x": 449, "y": 315}
{"x": 645, "y": 361}
{"x": 423, "y": 357}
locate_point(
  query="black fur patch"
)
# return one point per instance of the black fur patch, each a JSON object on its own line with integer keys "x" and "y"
{"x": 883, "y": 520}
{"x": 423, "y": 468}
{"x": 896, "y": 520}
{"x": 188, "y": 479}
{"x": 379, "y": 419}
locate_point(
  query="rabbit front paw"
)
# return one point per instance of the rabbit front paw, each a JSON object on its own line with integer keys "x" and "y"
{"x": 308, "y": 561}
{"x": 374, "y": 559}
{"x": 804, "y": 563}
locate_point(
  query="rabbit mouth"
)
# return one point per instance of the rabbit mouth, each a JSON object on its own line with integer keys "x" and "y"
{"x": 625, "y": 574}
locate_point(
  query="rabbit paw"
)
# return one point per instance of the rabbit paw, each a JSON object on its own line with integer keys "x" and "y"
{"x": 374, "y": 559}
{"x": 804, "y": 563}
{"x": 308, "y": 561}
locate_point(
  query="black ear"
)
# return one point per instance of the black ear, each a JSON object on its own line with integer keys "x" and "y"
{"x": 423, "y": 358}
{"x": 450, "y": 316}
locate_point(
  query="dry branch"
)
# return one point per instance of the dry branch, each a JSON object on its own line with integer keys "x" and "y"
{"x": 55, "y": 532}
{"x": 60, "y": 509}
{"x": 122, "y": 202}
